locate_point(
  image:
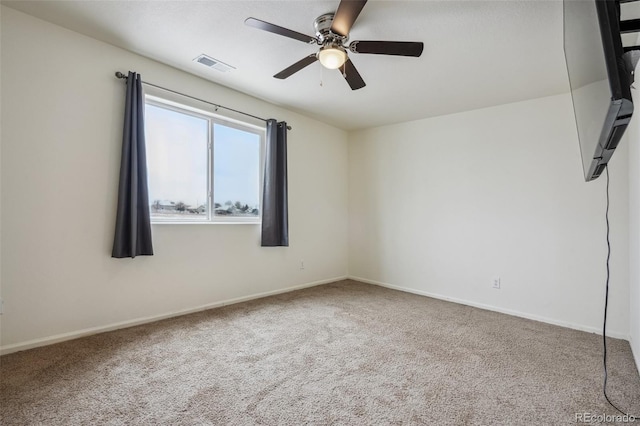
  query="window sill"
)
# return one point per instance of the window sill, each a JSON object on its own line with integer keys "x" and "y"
{"x": 205, "y": 223}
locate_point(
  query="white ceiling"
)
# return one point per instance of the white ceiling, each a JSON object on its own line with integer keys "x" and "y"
{"x": 477, "y": 53}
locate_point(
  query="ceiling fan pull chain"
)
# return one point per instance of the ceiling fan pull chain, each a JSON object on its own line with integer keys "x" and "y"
{"x": 321, "y": 76}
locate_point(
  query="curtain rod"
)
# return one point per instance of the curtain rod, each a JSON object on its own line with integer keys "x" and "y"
{"x": 122, "y": 76}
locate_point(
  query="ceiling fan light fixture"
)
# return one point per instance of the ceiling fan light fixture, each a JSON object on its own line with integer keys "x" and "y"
{"x": 332, "y": 34}
{"x": 332, "y": 57}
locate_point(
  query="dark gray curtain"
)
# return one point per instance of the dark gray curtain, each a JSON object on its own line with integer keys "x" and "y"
{"x": 275, "y": 210}
{"x": 133, "y": 223}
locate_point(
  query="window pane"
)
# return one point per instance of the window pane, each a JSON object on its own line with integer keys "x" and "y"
{"x": 177, "y": 164}
{"x": 236, "y": 165}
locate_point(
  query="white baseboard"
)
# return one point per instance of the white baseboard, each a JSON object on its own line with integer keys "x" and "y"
{"x": 494, "y": 308}
{"x": 636, "y": 353}
{"x": 30, "y": 344}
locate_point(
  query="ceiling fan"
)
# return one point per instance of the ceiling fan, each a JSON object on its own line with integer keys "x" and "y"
{"x": 332, "y": 32}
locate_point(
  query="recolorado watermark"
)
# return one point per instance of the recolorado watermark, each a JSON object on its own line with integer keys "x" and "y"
{"x": 602, "y": 418}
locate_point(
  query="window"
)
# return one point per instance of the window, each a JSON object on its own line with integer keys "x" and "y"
{"x": 201, "y": 167}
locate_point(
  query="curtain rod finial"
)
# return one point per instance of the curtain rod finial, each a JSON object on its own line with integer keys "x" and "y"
{"x": 120, "y": 75}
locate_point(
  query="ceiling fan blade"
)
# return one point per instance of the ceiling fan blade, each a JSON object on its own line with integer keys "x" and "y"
{"x": 351, "y": 74}
{"x": 346, "y": 15}
{"x": 304, "y": 62}
{"x": 398, "y": 48}
{"x": 265, "y": 26}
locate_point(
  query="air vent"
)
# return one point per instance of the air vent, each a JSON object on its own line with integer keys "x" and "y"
{"x": 213, "y": 63}
{"x": 615, "y": 137}
{"x": 599, "y": 170}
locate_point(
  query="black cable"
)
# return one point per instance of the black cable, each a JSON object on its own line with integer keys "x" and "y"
{"x": 606, "y": 303}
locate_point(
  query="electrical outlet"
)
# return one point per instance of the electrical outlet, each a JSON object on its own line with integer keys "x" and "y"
{"x": 302, "y": 264}
{"x": 496, "y": 282}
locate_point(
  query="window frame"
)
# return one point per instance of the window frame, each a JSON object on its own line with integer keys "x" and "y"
{"x": 189, "y": 108}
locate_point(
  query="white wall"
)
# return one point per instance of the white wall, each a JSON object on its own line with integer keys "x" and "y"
{"x": 437, "y": 206}
{"x": 633, "y": 141}
{"x": 1, "y": 177}
{"x": 440, "y": 206}
{"x": 62, "y": 113}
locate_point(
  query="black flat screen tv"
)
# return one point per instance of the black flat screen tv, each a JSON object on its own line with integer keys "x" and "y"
{"x": 600, "y": 78}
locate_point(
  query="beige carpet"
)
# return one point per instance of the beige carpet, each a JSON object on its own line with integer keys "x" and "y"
{"x": 343, "y": 353}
